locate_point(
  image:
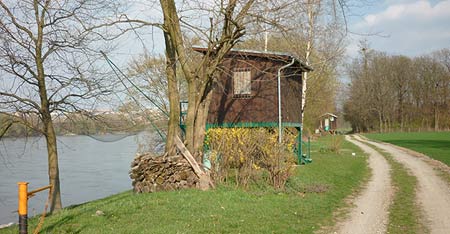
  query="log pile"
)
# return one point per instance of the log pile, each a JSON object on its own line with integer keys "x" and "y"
{"x": 151, "y": 174}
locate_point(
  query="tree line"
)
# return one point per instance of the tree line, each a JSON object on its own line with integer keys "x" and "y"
{"x": 86, "y": 124}
{"x": 398, "y": 93}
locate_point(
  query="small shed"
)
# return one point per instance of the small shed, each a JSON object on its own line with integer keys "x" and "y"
{"x": 247, "y": 94}
{"x": 328, "y": 123}
{"x": 258, "y": 89}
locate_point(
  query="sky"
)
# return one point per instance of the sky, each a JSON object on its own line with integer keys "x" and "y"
{"x": 407, "y": 27}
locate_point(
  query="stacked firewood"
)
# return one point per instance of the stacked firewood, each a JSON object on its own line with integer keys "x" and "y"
{"x": 151, "y": 174}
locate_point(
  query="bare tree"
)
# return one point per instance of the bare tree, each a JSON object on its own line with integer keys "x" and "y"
{"x": 432, "y": 84}
{"x": 48, "y": 64}
{"x": 148, "y": 73}
{"x": 398, "y": 93}
{"x": 401, "y": 74}
{"x": 442, "y": 57}
{"x": 325, "y": 30}
{"x": 226, "y": 26}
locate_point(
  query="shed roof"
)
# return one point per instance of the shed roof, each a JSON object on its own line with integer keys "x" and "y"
{"x": 329, "y": 114}
{"x": 286, "y": 57}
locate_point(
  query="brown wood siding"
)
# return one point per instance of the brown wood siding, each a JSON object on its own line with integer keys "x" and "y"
{"x": 262, "y": 104}
{"x": 291, "y": 95}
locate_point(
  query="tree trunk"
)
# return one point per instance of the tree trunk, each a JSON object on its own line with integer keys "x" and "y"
{"x": 386, "y": 124}
{"x": 436, "y": 118}
{"x": 380, "y": 120}
{"x": 53, "y": 168}
{"x": 400, "y": 112}
{"x": 200, "y": 126}
{"x": 309, "y": 47}
{"x": 174, "y": 96}
{"x": 48, "y": 130}
{"x": 50, "y": 137}
{"x": 190, "y": 117}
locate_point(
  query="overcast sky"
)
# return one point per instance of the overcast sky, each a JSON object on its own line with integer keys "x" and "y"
{"x": 408, "y": 27}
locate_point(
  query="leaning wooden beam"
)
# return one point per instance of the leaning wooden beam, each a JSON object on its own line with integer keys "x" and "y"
{"x": 188, "y": 156}
{"x": 205, "y": 181}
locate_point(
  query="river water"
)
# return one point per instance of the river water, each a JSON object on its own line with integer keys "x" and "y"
{"x": 89, "y": 169}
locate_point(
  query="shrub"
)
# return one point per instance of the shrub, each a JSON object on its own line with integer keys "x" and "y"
{"x": 248, "y": 153}
{"x": 335, "y": 144}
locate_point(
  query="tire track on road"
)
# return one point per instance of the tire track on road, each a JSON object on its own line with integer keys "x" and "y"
{"x": 433, "y": 193}
{"x": 370, "y": 214}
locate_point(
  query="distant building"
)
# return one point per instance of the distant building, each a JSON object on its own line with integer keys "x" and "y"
{"x": 327, "y": 123}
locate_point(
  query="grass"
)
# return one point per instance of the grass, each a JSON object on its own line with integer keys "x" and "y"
{"x": 404, "y": 212}
{"x": 434, "y": 144}
{"x": 312, "y": 196}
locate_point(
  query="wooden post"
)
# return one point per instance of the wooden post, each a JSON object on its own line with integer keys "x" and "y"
{"x": 23, "y": 207}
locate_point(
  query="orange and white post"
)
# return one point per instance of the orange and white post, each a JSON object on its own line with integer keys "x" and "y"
{"x": 23, "y": 207}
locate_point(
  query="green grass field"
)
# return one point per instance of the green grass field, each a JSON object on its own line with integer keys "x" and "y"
{"x": 434, "y": 144}
{"x": 312, "y": 196}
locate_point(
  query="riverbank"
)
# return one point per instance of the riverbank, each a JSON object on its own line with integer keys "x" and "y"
{"x": 309, "y": 202}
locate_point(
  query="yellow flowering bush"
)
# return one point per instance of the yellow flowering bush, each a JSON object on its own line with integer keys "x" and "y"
{"x": 246, "y": 153}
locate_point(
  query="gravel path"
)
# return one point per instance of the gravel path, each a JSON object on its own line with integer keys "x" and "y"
{"x": 433, "y": 193}
{"x": 370, "y": 214}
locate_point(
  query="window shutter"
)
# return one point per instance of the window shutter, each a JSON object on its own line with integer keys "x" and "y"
{"x": 242, "y": 82}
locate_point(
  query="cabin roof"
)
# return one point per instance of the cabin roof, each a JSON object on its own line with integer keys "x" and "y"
{"x": 285, "y": 57}
{"x": 328, "y": 114}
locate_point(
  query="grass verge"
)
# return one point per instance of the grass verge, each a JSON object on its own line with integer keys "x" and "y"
{"x": 434, "y": 144}
{"x": 404, "y": 212}
{"x": 311, "y": 197}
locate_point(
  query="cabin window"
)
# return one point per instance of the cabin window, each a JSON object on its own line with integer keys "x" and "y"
{"x": 242, "y": 83}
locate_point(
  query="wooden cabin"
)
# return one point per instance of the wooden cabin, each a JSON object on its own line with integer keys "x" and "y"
{"x": 248, "y": 90}
{"x": 246, "y": 94}
{"x": 328, "y": 123}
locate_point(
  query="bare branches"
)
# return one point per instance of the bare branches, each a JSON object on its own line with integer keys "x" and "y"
{"x": 48, "y": 53}
{"x": 15, "y": 22}
{"x": 61, "y": 34}
{"x": 20, "y": 99}
{"x": 392, "y": 93}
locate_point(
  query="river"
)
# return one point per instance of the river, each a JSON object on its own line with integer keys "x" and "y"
{"x": 89, "y": 170}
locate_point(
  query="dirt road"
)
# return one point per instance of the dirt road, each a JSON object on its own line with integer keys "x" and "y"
{"x": 370, "y": 214}
{"x": 433, "y": 193}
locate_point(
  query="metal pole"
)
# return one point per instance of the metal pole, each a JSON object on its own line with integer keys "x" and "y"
{"x": 299, "y": 149}
{"x": 23, "y": 207}
{"x": 32, "y": 193}
{"x": 279, "y": 98}
{"x": 309, "y": 147}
